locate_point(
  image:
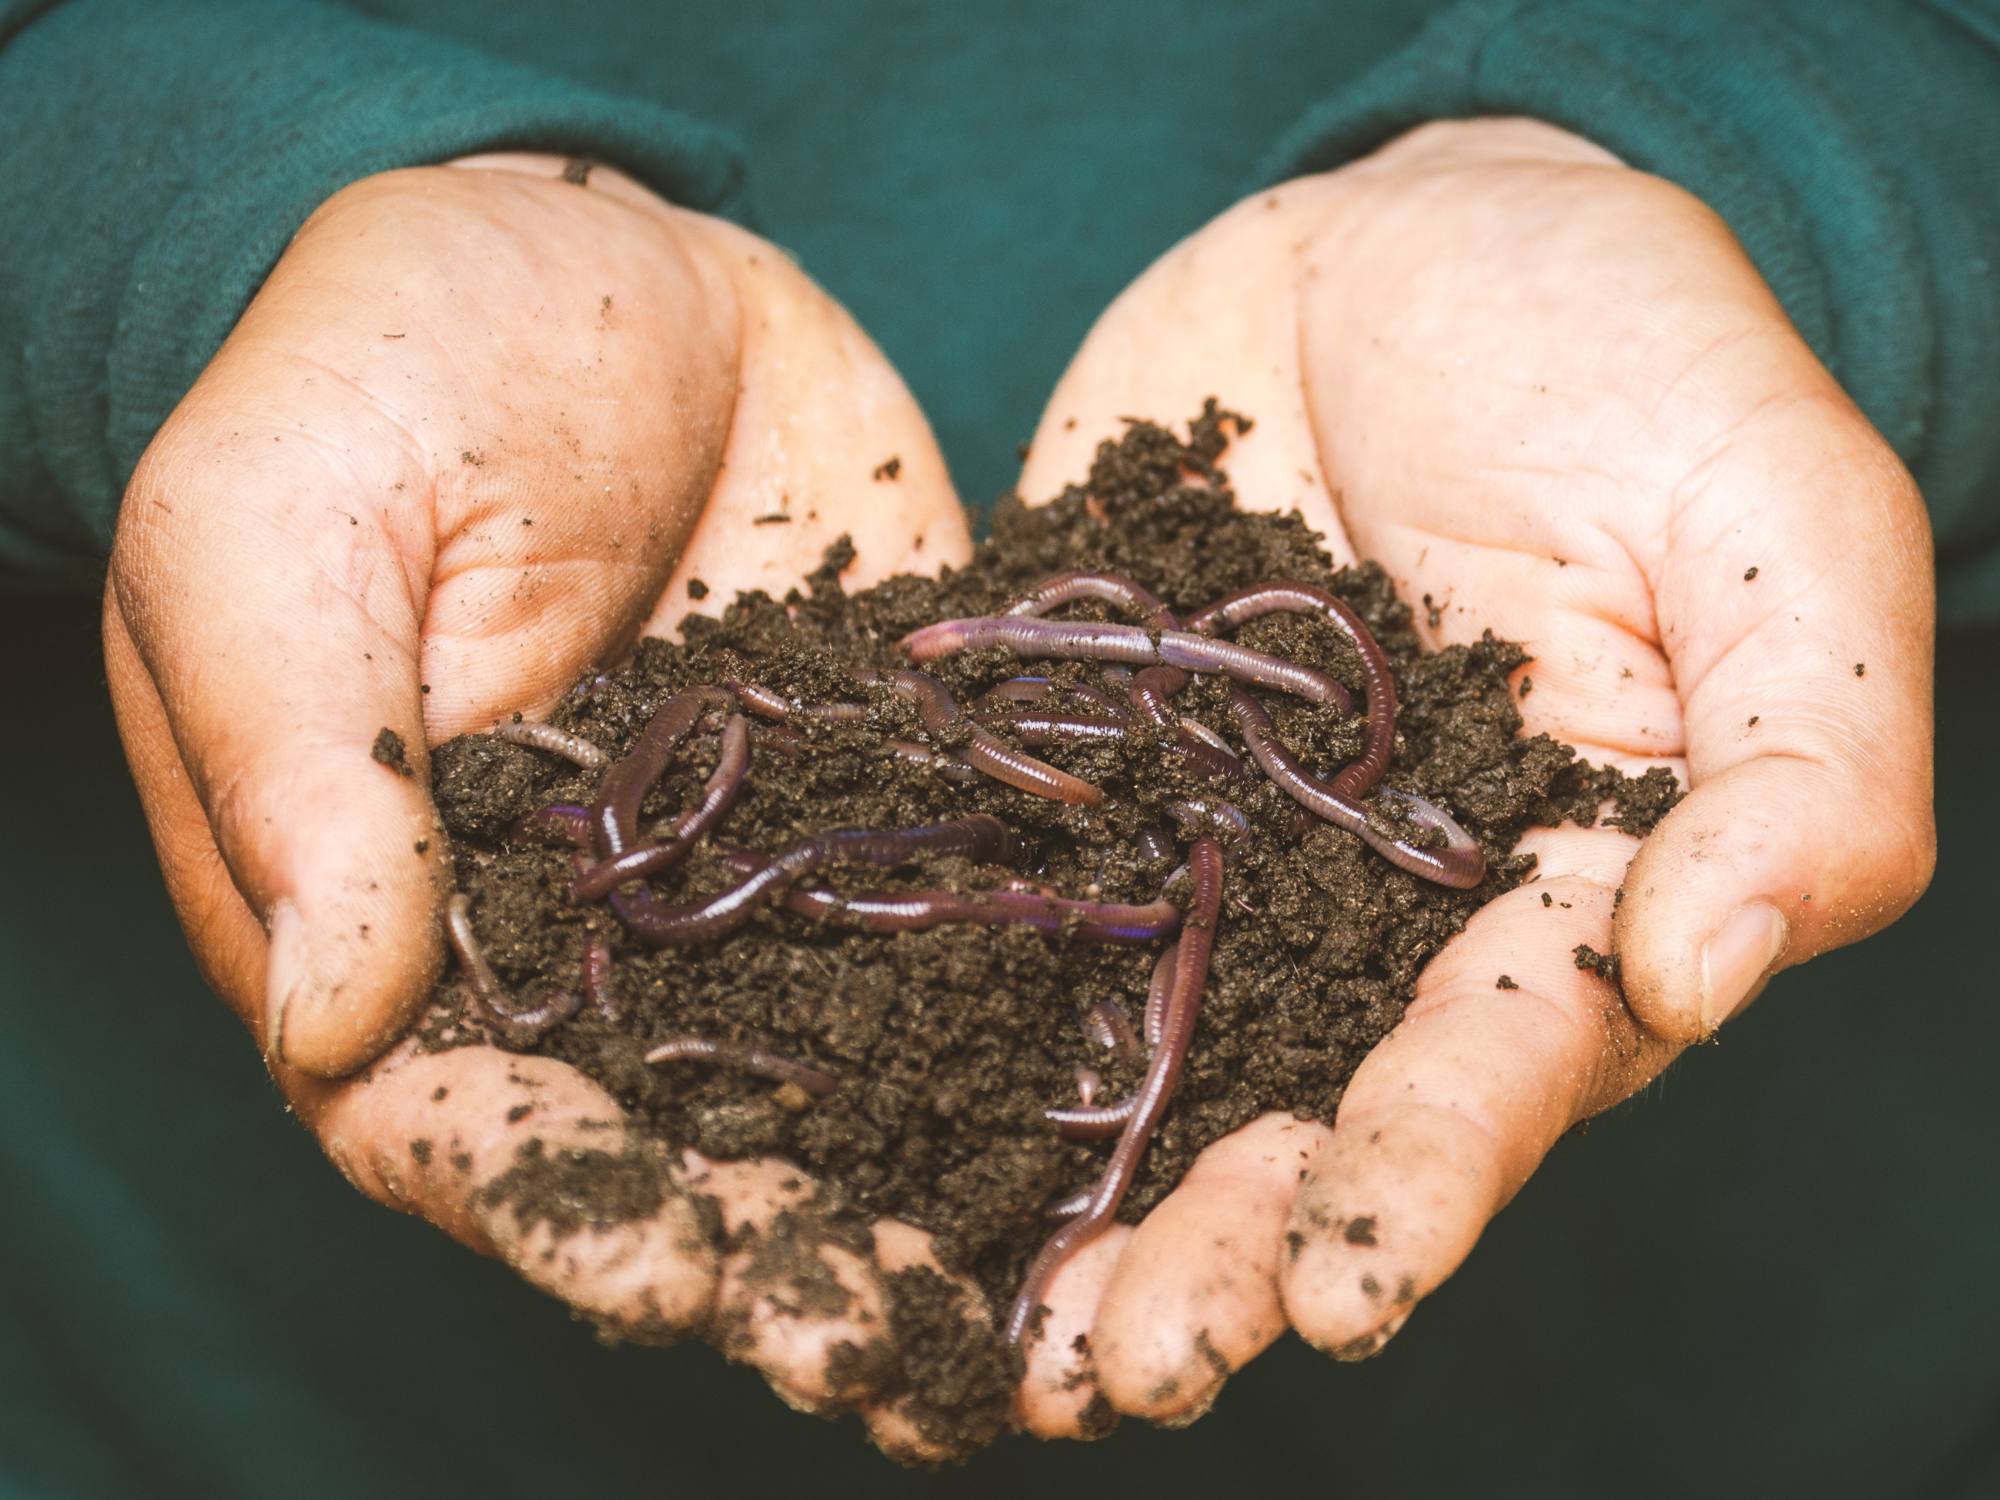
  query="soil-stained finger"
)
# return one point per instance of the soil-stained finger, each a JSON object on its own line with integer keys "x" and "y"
{"x": 1508, "y": 1044}
{"x": 525, "y": 1158}
{"x": 1059, "y": 1397}
{"x": 1195, "y": 1295}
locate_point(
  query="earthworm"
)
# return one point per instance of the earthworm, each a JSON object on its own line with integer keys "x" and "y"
{"x": 1119, "y": 707}
{"x": 978, "y": 837}
{"x": 657, "y": 924}
{"x": 1029, "y": 637}
{"x": 911, "y": 911}
{"x": 1460, "y": 863}
{"x": 787, "y": 742}
{"x": 1162, "y": 1073}
{"x": 1223, "y": 819}
{"x": 1070, "y": 1207}
{"x": 1150, "y": 690}
{"x": 560, "y": 822}
{"x": 1154, "y": 844}
{"x": 941, "y": 716}
{"x": 1199, "y": 746}
{"x": 1015, "y": 690}
{"x": 946, "y": 766}
{"x": 1208, "y": 737}
{"x": 1053, "y": 593}
{"x": 1058, "y": 729}
{"x": 914, "y": 911}
{"x": 573, "y": 747}
{"x": 761, "y": 1061}
{"x": 1111, "y": 1029}
{"x": 614, "y": 815}
{"x": 1379, "y": 738}
{"x": 1034, "y": 689}
{"x": 1088, "y": 1082}
{"x": 520, "y": 1025}
{"x": 1094, "y": 1121}
{"x": 1091, "y": 1122}
{"x": 770, "y": 704}
{"x": 685, "y": 829}
{"x": 597, "y": 988}
{"x": 1158, "y": 988}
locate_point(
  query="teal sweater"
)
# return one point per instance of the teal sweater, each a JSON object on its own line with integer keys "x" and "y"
{"x": 945, "y": 173}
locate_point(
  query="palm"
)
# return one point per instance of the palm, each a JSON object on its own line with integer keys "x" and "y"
{"x": 1551, "y": 399}
{"x": 478, "y": 431}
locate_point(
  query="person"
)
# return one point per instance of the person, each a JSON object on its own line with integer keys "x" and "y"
{"x": 384, "y": 381}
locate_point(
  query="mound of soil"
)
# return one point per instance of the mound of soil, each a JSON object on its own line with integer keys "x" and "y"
{"x": 949, "y": 1043}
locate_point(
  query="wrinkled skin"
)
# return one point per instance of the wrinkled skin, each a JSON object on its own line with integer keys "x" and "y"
{"x": 1545, "y": 390}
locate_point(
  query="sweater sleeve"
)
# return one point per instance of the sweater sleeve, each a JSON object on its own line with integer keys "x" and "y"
{"x": 157, "y": 159}
{"x": 1852, "y": 145}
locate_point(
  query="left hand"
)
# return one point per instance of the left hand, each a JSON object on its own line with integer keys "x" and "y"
{"x": 1551, "y": 394}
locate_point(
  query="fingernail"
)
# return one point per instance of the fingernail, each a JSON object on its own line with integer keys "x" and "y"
{"x": 1736, "y": 958}
{"x": 284, "y": 972}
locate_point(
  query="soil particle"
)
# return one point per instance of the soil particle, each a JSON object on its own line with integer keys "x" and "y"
{"x": 889, "y": 468}
{"x": 389, "y": 751}
{"x": 948, "y": 1044}
{"x": 1603, "y": 965}
{"x": 1211, "y": 1356}
{"x": 1360, "y": 1231}
{"x": 697, "y": 589}
{"x": 420, "y": 1152}
{"x": 570, "y": 1189}
{"x": 1505, "y": 982}
{"x": 1749, "y": 574}
{"x": 1097, "y": 1419}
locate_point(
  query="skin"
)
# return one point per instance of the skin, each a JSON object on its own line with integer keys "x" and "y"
{"x": 1544, "y": 389}
{"x": 1551, "y": 393}
{"x": 477, "y": 431}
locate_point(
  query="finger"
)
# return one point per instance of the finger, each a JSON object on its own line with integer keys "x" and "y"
{"x": 224, "y": 935}
{"x": 825, "y": 441}
{"x": 1808, "y": 702}
{"x": 797, "y": 1307}
{"x": 1217, "y": 315}
{"x": 277, "y": 688}
{"x": 800, "y": 1299}
{"x": 495, "y": 1148}
{"x": 935, "y": 1421}
{"x": 1447, "y": 1118}
{"x": 1059, "y": 1396}
{"x": 277, "y": 591}
{"x": 1195, "y": 1295}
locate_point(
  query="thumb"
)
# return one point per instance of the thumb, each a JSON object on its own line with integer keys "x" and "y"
{"x": 277, "y": 646}
{"x": 1796, "y": 607}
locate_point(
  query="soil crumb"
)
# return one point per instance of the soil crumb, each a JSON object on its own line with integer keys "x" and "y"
{"x": 388, "y": 751}
{"x": 948, "y": 1044}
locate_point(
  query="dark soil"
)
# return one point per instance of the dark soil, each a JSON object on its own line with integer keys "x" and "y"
{"x": 949, "y": 1043}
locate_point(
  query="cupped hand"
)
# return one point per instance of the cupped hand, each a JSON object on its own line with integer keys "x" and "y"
{"x": 475, "y": 434}
{"x": 1553, "y": 398}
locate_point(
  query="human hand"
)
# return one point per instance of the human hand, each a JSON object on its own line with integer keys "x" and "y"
{"x": 1551, "y": 396}
{"x": 476, "y": 433}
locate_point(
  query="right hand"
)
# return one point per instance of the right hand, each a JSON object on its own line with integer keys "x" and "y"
{"x": 473, "y": 436}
